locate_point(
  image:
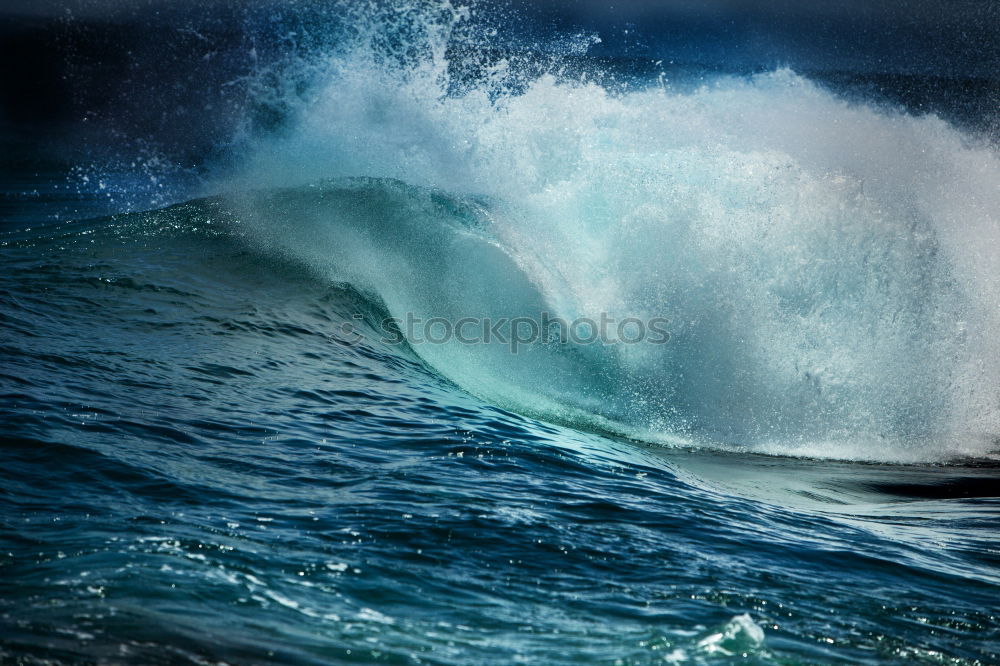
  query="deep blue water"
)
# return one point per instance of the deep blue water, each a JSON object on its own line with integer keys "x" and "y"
{"x": 209, "y": 452}
{"x": 195, "y": 469}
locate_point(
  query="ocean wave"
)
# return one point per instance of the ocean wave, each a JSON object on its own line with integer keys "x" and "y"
{"x": 826, "y": 267}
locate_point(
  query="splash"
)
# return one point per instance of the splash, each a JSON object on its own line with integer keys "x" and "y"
{"x": 829, "y": 269}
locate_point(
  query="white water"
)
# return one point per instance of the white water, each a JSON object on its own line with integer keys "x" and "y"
{"x": 830, "y": 270}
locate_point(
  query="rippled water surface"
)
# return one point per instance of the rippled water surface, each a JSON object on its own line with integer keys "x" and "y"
{"x": 195, "y": 468}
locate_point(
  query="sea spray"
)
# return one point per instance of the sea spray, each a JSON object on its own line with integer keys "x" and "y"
{"x": 825, "y": 265}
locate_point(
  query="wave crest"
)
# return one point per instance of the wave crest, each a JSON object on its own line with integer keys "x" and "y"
{"x": 829, "y": 268}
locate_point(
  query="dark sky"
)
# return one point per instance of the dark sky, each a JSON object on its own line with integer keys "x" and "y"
{"x": 969, "y": 12}
{"x": 102, "y": 71}
{"x": 920, "y": 37}
{"x": 941, "y": 37}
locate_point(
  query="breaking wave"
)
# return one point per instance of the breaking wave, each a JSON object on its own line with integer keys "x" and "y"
{"x": 828, "y": 267}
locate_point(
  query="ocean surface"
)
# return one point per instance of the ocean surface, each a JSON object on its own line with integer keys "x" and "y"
{"x": 211, "y": 452}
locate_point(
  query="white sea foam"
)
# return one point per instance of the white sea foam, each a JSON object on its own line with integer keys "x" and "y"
{"x": 831, "y": 270}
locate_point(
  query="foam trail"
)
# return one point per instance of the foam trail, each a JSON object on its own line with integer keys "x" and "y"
{"x": 829, "y": 269}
